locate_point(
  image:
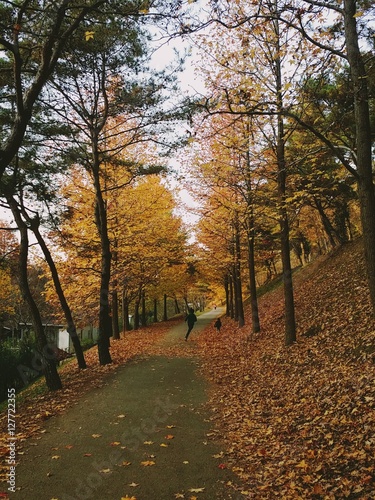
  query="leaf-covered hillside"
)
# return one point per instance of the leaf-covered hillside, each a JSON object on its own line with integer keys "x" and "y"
{"x": 299, "y": 421}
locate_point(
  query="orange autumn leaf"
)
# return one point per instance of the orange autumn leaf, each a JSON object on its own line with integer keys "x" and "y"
{"x": 318, "y": 490}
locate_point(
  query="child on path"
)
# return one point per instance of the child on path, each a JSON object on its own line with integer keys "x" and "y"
{"x": 190, "y": 319}
{"x": 217, "y": 324}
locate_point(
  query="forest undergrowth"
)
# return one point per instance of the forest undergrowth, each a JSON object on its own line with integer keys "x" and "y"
{"x": 299, "y": 421}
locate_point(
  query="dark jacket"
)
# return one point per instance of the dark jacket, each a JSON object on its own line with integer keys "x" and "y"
{"x": 191, "y": 318}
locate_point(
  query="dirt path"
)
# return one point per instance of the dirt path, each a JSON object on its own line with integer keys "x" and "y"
{"x": 144, "y": 435}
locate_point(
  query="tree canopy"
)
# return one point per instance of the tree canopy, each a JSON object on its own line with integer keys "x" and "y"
{"x": 276, "y": 149}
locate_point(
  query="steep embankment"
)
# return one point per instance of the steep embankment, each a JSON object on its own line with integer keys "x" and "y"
{"x": 299, "y": 421}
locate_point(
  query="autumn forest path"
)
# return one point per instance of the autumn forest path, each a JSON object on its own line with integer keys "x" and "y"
{"x": 143, "y": 435}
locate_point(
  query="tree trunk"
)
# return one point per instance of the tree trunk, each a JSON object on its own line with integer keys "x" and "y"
{"x": 251, "y": 239}
{"x": 290, "y": 322}
{"x": 143, "y": 300}
{"x": 105, "y": 322}
{"x": 238, "y": 279}
{"x": 155, "y": 310}
{"x": 115, "y": 325}
{"x": 227, "y": 296}
{"x": 231, "y": 296}
{"x": 71, "y": 327}
{"x": 363, "y": 140}
{"x": 252, "y": 281}
{"x": 176, "y": 306}
{"x": 328, "y": 228}
{"x": 47, "y": 358}
{"x": 165, "y": 312}
{"x": 125, "y": 313}
{"x": 136, "y": 313}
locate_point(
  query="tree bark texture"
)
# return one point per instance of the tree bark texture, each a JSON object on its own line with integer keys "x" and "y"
{"x": 252, "y": 284}
{"x": 125, "y": 313}
{"x": 238, "y": 278}
{"x": 115, "y": 323}
{"x": 165, "y": 311}
{"x": 290, "y": 322}
{"x": 363, "y": 141}
{"x": 105, "y": 322}
{"x": 71, "y": 327}
{"x": 47, "y": 359}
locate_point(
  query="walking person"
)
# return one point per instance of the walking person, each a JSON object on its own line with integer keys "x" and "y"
{"x": 190, "y": 319}
{"x": 217, "y": 324}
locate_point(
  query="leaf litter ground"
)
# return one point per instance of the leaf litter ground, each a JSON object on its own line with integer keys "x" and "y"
{"x": 299, "y": 421}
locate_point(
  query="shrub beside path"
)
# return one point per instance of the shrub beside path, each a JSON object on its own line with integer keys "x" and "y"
{"x": 144, "y": 435}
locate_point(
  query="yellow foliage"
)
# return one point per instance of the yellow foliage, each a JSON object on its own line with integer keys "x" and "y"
{"x": 8, "y": 293}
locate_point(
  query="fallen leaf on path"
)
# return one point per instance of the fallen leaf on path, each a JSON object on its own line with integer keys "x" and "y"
{"x": 133, "y": 485}
{"x": 164, "y": 445}
{"x": 55, "y": 457}
{"x": 128, "y": 498}
{"x": 105, "y": 471}
{"x": 185, "y": 462}
{"x": 115, "y": 443}
{"x": 96, "y": 435}
{"x": 148, "y": 442}
{"x": 179, "y": 495}
{"x": 121, "y": 416}
{"x": 125, "y": 463}
{"x": 69, "y": 446}
{"x": 87, "y": 455}
{"x": 318, "y": 490}
{"x": 45, "y": 415}
{"x": 170, "y": 426}
{"x": 147, "y": 463}
{"x": 222, "y": 466}
{"x": 169, "y": 436}
{"x": 302, "y": 465}
{"x": 196, "y": 490}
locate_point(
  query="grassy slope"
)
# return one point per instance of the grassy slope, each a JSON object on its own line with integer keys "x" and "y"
{"x": 299, "y": 421}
